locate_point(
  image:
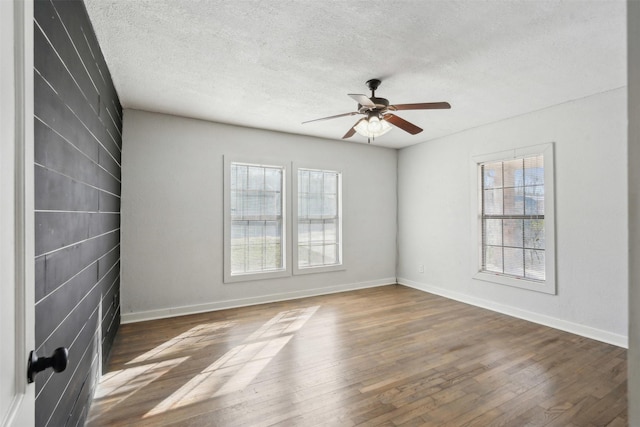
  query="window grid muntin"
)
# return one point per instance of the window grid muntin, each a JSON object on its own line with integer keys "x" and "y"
{"x": 252, "y": 218}
{"x": 305, "y": 217}
{"x": 532, "y": 272}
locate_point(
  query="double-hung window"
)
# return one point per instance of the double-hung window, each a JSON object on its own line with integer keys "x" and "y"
{"x": 255, "y": 221}
{"x": 515, "y": 218}
{"x": 265, "y": 236}
{"x": 318, "y": 221}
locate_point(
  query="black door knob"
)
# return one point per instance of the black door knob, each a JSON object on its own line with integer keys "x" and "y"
{"x": 57, "y": 361}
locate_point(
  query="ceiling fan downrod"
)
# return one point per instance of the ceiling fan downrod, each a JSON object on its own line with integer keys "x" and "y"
{"x": 373, "y": 85}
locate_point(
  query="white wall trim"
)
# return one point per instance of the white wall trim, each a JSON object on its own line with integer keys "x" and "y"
{"x": 142, "y": 316}
{"x": 553, "y": 322}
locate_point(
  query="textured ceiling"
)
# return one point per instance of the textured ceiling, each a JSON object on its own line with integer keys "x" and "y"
{"x": 274, "y": 64}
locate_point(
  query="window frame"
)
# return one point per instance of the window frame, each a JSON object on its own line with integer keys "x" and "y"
{"x": 548, "y": 285}
{"x": 297, "y": 270}
{"x": 286, "y": 223}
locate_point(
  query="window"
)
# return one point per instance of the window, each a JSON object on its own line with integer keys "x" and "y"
{"x": 318, "y": 221}
{"x": 515, "y": 197}
{"x": 255, "y": 221}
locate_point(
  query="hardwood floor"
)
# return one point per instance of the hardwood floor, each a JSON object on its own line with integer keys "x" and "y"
{"x": 388, "y": 356}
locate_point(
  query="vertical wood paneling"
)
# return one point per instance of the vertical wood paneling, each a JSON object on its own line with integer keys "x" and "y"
{"x": 78, "y": 142}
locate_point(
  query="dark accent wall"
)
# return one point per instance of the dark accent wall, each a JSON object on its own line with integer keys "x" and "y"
{"x": 78, "y": 123}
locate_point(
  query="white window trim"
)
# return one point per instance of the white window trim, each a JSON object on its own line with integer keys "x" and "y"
{"x": 341, "y": 200}
{"x": 549, "y": 284}
{"x": 286, "y": 223}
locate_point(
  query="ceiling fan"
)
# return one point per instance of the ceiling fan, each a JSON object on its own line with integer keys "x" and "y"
{"x": 378, "y": 116}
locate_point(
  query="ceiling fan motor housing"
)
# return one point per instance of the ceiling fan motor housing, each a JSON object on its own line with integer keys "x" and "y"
{"x": 381, "y": 105}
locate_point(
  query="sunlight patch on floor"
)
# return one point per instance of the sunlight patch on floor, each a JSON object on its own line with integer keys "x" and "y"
{"x": 117, "y": 386}
{"x": 196, "y": 337}
{"x": 237, "y": 368}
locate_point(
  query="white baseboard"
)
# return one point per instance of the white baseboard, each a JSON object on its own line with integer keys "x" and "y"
{"x": 164, "y": 313}
{"x": 553, "y": 322}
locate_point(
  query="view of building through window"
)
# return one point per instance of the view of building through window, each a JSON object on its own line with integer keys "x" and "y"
{"x": 512, "y": 214}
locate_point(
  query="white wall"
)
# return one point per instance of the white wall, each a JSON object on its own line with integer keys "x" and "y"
{"x": 633, "y": 29}
{"x": 591, "y": 216}
{"x": 172, "y": 216}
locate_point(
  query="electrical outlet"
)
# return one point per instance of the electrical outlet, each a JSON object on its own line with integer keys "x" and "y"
{"x": 421, "y": 268}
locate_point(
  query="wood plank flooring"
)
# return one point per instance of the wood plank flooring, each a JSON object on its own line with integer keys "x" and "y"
{"x": 387, "y": 356}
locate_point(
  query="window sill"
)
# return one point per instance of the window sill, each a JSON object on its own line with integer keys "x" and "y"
{"x": 319, "y": 269}
{"x": 546, "y": 286}
{"x": 235, "y": 278}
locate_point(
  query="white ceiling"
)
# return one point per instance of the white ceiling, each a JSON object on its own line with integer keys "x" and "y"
{"x": 274, "y": 64}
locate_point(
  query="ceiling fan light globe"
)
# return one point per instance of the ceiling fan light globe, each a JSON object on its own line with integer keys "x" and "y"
{"x": 373, "y": 127}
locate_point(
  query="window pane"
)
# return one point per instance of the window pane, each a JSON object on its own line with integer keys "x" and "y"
{"x": 252, "y": 204}
{"x": 492, "y": 175}
{"x": 272, "y": 204}
{"x": 256, "y": 232}
{"x": 330, "y": 205}
{"x": 303, "y": 232}
{"x": 273, "y": 179}
{"x": 534, "y": 170}
{"x": 256, "y": 258}
{"x": 330, "y": 231}
{"x": 492, "y": 202}
{"x": 534, "y": 264}
{"x": 534, "y": 233}
{"x": 513, "y": 173}
{"x": 238, "y": 176}
{"x": 317, "y": 231}
{"x": 238, "y": 259}
{"x": 238, "y": 232}
{"x": 234, "y": 178}
{"x": 256, "y": 178}
{"x": 493, "y": 232}
{"x": 316, "y": 256}
{"x": 303, "y": 181}
{"x": 493, "y": 259}
{"x": 329, "y": 254}
{"x": 330, "y": 183}
{"x": 315, "y": 182}
{"x": 272, "y": 256}
{"x": 514, "y": 201}
{"x": 303, "y": 256}
{"x": 235, "y": 208}
{"x": 534, "y": 200}
{"x": 303, "y": 205}
{"x": 514, "y": 261}
{"x": 512, "y": 232}
{"x": 315, "y": 205}
{"x": 273, "y": 232}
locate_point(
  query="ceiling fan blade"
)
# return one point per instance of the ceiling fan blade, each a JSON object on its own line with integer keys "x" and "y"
{"x": 421, "y": 106}
{"x": 362, "y": 100}
{"x": 402, "y": 124}
{"x": 332, "y": 117}
{"x": 351, "y": 131}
